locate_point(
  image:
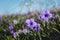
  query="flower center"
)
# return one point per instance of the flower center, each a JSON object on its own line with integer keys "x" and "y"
{"x": 31, "y": 23}
{"x": 46, "y": 15}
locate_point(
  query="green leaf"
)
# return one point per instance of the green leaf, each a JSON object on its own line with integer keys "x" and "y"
{"x": 56, "y": 30}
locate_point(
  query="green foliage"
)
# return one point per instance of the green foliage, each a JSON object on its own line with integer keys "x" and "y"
{"x": 49, "y": 30}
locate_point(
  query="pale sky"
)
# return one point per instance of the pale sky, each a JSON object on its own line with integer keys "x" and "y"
{"x": 21, "y": 6}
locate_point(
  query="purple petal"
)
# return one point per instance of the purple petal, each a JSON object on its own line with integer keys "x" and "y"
{"x": 14, "y": 35}
{"x": 24, "y": 31}
{"x": 11, "y": 27}
{"x": 15, "y": 21}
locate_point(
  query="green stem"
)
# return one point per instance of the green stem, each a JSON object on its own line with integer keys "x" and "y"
{"x": 39, "y": 36}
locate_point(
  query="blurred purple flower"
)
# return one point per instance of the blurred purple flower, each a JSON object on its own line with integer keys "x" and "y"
{"x": 14, "y": 35}
{"x": 30, "y": 23}
{"x": 45, "y": 15}
{"x": 26, "y": 15}
{"x": 15, "y": 21}
{"x": 1, "y": 17}
{"x": 37, "y": 27}
{"x": 25, "y": 31}
{"x": 11, "y": 31}
{"x": 11, "y": 27}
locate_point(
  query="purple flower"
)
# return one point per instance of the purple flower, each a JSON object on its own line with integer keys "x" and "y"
{"x": 11, "y": 31}
{"x": 15, "y": 21}
{"x": 25, "y": 31}
{"x": 14, "y": 35}
{"x": 30, "y": 23}
{"x": 11, "y": 27}
{"x": 1, "y": 17}
{"x": 26, "y": 15}
{"x": 45, "y": 15}
{"x": 37, "y": 27}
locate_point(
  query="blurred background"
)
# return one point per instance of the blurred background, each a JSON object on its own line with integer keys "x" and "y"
{"x": 24, "y": 6}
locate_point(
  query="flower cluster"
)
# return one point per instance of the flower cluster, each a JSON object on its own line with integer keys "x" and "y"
{"x": 45, "y": 15}
{"x": 12, "y": 31}
{"x": 15, "y": 34}
{"x": 32, "y": 24}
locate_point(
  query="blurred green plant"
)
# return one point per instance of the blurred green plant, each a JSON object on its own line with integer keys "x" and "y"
{"x": 49, "y": 30}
